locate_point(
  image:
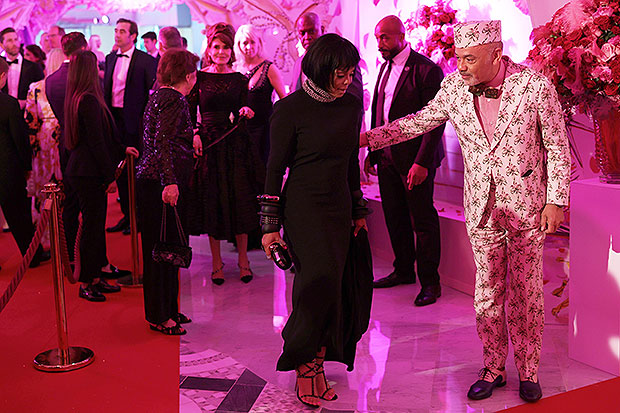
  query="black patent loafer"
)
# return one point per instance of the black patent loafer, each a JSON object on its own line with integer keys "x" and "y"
{"x": 104, "y": 287}
{"x": 91, "y": 293}
{"x": 392, "y": 280}
{"x": 114, "y": 273}
{"x": 483, "y": 389}
{"x": 530, "y": 391}
{"x": 428, "y": 295}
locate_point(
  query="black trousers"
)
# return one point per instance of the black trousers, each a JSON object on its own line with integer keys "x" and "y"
{"x": 128, "y": 140}
{"x": 160, "y": 281}
{"x": 408, "y": 212}
{"x": 18, "y": 215}
{"x": 70, "y": 216}
{"x": 93, "y": 205}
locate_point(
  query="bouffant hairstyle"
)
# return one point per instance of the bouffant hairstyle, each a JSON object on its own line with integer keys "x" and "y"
{"x": 328, "y": 53}
{"x": 175, "y": 65}
{"x": 72, "y": 42}
{"x": 225, "y": 33}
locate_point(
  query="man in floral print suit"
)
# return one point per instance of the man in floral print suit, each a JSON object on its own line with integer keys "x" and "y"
{"x": 517, "y": 165}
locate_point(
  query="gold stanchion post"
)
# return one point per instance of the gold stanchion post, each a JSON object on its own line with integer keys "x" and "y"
{"x": 135, "y": 279}
{"x": 63, "y": 358}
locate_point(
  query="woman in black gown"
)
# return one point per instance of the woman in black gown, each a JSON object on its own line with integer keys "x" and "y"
{"x": 225, "y": 182}
{"x": 263, "y": 78}
{"x": 314, "y": 132}
{"x": 163, "y": 174}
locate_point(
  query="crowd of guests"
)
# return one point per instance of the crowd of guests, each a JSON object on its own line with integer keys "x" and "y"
{"x": 213, "y": 151}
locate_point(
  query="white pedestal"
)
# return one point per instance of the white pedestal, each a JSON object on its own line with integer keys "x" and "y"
{"x": 456, "y": 267}
{"x": 594, "y": 309}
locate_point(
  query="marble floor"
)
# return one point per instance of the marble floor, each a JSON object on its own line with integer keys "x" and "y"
{"x": 411, "y": 359}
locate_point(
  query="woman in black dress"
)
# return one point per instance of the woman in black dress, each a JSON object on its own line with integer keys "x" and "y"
{"x": 163, "y": 174}
{"x": 93, "y": 156}
{"x": 314, "y": 132}
{"x": 224, "y": 186}
{"x": 263, "y": 78}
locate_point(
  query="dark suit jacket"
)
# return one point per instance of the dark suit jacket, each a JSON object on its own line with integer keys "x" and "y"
{"x": 140, "y": 78}
{"x": 30, "y": 73}
{"x": 55, "y": 89}
{"x": 98, "y": 151}
{"x": 15, "y": 153}
{"x": 418, "y": 84}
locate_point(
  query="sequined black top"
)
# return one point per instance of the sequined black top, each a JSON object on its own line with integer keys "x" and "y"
{"x": 168, "y": 136}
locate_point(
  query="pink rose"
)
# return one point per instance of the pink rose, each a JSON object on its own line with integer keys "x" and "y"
{"x": 608, "y": 51}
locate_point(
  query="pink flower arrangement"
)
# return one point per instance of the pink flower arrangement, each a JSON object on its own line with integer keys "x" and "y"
{"x": 430, "y": 33}
{"x": 579, "y": 51}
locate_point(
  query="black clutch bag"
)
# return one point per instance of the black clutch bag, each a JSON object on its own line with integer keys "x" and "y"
{"x": 280, "y": 256}
{"x": 172, "y": 253}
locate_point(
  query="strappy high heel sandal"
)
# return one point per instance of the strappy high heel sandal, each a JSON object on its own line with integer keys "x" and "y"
{"x": 311, "y": 400}
{"x": 329, "y": 394}
{"x": 247, "y": 277}
{"x": 218, "y": 280}
{"x": 181, "y": 318}
{"x": 175, "y": 330}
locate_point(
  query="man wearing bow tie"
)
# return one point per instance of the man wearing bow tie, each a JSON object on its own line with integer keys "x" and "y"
{"x": 129, "y": 76}
{"x": 407, "y": 81}
{"x": 517, "y": 172}
{"x": 21, "y": 72}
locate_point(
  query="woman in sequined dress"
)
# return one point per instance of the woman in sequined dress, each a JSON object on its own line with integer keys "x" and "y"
{"x": 163, "y": 174}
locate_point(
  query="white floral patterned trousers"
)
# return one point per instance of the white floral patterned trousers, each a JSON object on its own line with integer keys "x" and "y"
{"x": 509, "y": 292}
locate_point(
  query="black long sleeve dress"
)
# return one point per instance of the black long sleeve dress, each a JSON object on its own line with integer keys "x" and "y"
{"x": 319, "y": 143}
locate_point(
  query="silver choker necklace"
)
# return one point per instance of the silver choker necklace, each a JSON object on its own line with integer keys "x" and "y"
{"x": 317, "y": 93}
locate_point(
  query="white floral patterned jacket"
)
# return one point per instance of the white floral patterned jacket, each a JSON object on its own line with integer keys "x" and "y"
{"x": 530, "y": 123}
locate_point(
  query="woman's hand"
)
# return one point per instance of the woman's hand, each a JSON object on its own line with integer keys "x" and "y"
{"x": 170, "y": 194}
{"x": 197, "y": 145}
{"x": 130, "y": 150}
{"x": 246, "y": 112}
{"x": 359, "y": 224}
{"x": 268, "y": 239}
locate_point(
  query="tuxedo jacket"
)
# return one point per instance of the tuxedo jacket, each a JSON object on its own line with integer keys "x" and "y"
{"x": 55, "y": 90}
{"x": 527, "y": 159}
{"x": 15, "y": 153}
{"x": 30, "y": 73}
{"x": 140, "y": 79}
{"x": 417, "y": 85}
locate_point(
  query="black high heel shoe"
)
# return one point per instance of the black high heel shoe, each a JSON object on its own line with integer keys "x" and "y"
{"x": 309, "y": 374}
{"x": 320, "y": 371}
{"x": 218, "y": 280}
{"x": 248, "y": 277}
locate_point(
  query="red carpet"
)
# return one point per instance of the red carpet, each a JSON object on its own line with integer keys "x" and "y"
{"x": 602, "y": 397}
{"x": 135, "y": 369}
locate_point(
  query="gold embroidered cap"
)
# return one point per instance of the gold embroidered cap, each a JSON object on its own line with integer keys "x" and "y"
{"x": 475, "y": 33}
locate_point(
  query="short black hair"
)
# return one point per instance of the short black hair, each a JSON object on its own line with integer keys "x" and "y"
{"x": 133, "y": 27}
{"x": 327, "y": 54}
{"x": 150, "y": 35}
{"x": 6, "y": 31}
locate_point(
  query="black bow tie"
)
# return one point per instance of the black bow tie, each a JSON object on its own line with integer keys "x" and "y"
{"x": 487, "y": 91}
{"x": 13, "y": 62}
{"x": 121, "y": 55}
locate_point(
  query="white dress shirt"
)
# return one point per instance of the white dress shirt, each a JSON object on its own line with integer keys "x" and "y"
{"x": 398, "y": 63}
{"x": 13, "y": 75}
{"x": 119, "y": 77}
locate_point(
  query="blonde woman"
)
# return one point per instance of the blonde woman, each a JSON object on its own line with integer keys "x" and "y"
{"x": 43, "y": 132}
{"x": 263, "y": 79}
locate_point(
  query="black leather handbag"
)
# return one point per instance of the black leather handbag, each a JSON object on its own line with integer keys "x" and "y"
{"x": 172, "y": 253}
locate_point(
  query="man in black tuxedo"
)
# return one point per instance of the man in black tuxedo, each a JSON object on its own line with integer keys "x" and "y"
{"x": 150, "y": 44}
{"x": 309, "y": 28}
{"x": 407, "y": 82}
{"x": 129, "y": 77}
{"x": 15, "y": 167}
{"x": 21, "y": 71}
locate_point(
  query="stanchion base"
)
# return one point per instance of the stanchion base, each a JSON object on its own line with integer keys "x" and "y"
{"x": 50, "y": 360}
{"x": 128, "y": 281}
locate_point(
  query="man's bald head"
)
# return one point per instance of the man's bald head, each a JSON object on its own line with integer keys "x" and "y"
{"x": 390, "y": 35}
{"x": 309, "y": 28}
